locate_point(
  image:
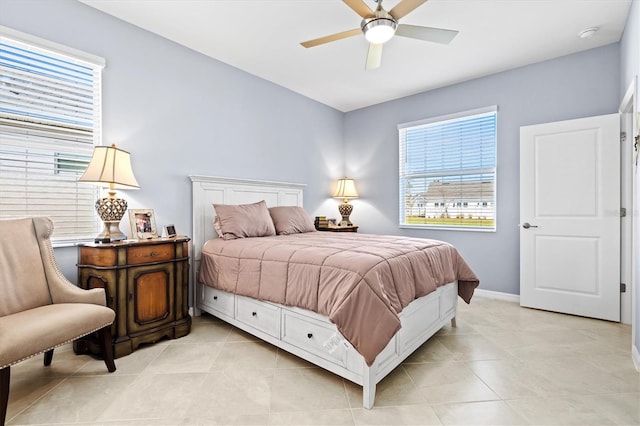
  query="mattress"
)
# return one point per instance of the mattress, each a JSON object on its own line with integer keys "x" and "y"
{"x": 361, "y": 282}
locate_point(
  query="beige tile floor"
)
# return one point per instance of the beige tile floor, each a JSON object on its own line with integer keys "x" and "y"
{"x": 502, "y": 365}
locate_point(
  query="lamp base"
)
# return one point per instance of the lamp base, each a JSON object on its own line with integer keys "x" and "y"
{"x": 345, "y": 210}
{"x": 346, "y": 221}
{"x": 110, "y": 233}
{"x": 111, "y": 209}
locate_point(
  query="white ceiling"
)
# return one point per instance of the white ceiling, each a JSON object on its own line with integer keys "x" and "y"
{"x": 262, "y": 37}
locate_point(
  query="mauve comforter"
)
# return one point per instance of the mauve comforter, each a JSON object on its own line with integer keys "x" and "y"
{"x": 360, "y": 281}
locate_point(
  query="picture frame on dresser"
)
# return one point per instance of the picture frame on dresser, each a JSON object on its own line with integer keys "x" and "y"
{"x": 169, "y": 231}
{"x": 143, "y": 224}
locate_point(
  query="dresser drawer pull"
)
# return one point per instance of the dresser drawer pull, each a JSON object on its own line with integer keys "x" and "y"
{"x": 255, "y": 314}
{"x": 154, "y": 254}
{"x": 309, "y": 335}
{"x": 215, "y": 297}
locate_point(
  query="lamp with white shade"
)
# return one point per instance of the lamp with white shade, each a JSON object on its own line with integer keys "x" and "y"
{"x": 110, "y": 167}
{"x": 346, "y": 190}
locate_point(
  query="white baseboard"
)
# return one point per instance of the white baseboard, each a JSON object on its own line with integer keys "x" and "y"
{"x": 635, "y": 355}
{"x": 498, "y": 295}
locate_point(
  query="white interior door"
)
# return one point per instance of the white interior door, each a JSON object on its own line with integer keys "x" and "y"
{"x": 570, "y": 217}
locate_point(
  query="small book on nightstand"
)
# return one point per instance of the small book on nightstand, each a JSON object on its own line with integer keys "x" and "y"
{"x": 321, "y": 222}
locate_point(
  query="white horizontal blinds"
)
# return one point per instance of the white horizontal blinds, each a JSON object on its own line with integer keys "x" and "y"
{"x": 448, "y": 171}
{"x": 49, "y": 124}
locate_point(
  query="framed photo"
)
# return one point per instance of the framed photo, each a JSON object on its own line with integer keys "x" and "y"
{"x": 143, "y": 224}
{"x": 170, "y": 231}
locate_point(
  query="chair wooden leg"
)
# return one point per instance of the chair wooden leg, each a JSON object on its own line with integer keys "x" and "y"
{"x": 48, "y": 357}
{"x": 5, "y": 373}
{"x": 106, "y": 347}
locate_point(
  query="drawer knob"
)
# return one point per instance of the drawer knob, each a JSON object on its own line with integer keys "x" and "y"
{"x": 254, "y": 314}
{"x": 309, "y": 335}
{"x": 215, "y": 297}
{"x": 154, "y": 254}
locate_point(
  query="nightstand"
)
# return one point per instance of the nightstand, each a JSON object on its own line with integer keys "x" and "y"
{"x": 146, "y": 284}
{"x": 339, "y": 229}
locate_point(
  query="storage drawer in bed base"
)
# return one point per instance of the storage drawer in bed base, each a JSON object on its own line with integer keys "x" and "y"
{"x": 314, "y": 338}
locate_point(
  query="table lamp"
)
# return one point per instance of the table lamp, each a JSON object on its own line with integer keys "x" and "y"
{"x": 110, "y": 167}
{"x": 346, "y": 189}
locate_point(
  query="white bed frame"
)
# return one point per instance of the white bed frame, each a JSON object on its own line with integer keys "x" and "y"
{"x": 303, "y": 333}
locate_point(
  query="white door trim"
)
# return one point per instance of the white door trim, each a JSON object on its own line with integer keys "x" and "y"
{"x": 627, "y": 225}
{"x": 630, "y": 105}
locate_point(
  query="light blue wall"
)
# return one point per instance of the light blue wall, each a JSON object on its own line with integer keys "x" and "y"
{"x": 630, "y": 68}
{"x": 179, "y": 113}
{"x": 578, "y": 85}
{"x": 630, "y": 49}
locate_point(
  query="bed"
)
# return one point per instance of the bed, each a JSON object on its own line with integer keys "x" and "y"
{"x": 365, "y": 331}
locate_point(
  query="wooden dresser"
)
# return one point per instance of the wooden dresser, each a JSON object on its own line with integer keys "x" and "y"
{"x": 147, "y": 285}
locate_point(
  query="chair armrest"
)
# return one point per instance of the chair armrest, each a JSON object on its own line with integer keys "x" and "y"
{"x": 61, "y": 289}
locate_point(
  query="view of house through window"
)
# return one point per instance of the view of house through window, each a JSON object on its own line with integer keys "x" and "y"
{"x": 49, "y": 124}
{"x": 448, "y": 171}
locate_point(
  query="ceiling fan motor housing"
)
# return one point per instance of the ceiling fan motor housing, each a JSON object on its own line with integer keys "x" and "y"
{"x": 379, "y": 28}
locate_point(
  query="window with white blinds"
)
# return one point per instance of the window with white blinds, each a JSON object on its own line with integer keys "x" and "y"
{"x": 50, "y": 111}
{"x": 448, "y": 171}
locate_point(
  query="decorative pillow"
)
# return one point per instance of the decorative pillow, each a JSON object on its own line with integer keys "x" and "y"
{"x": 244, "y": 220}
{"x": 291, "y": 220}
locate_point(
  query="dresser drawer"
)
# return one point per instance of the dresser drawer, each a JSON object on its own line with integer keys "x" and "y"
{"x": 262, "y": 316}
{"x": 97, "y": 256}
{"x": 150, "y": 253}
{"x": 315, "y": 337}
{"x": 218, "y": 300}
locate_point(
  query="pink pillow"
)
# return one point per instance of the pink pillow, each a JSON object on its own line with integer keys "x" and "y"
{"x": 244, "y": 220}
{"x": 291, "y": 220}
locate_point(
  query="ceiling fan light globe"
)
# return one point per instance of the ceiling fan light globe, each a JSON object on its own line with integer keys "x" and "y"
{"x": 380, "y": 30}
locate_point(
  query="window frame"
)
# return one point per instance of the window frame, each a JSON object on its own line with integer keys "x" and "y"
{"x": 61, "y": 144}
{"x": 404, "y": 175}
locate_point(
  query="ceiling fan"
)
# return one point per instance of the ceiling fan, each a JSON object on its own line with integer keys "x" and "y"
{"x": 379, "y": 26}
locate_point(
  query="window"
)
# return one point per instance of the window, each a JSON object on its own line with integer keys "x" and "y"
{"x": 449, "y": 164}
{"x": 50, "y": 110}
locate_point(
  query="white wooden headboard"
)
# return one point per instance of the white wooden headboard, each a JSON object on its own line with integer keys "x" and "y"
{"x": 207, "y": 190}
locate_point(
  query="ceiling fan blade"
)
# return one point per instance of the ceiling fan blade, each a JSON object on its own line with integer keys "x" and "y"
{"x": 405, "y": 7}
{"x": 436, "y": 35}
{"x": 360, "y": 8}
{"x": 374, "y": 56}
{"x": 332, "y": 37}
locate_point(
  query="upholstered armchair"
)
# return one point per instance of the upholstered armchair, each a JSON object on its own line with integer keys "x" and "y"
{"x": 39, "y": 308}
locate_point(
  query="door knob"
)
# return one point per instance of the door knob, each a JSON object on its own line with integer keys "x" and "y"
{"x": 527, "y": 225}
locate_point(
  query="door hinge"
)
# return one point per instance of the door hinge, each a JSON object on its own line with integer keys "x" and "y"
{"x": 623, "y": 212}
{"x": 623, "y": 288}
{"x": 623, "y": 136}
